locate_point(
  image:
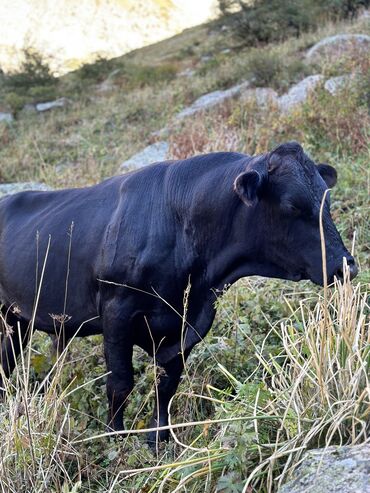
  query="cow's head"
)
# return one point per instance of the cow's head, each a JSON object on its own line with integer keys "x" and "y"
{"x": 284, "y": 190}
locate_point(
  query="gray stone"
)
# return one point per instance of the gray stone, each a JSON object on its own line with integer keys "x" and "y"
{"x": 58, "y": 103}
{"x": 29, "y": 108}
{"x": 105, "y": 86}
{"x": 337, "y": 45}
{"x": 365, "y": 15}
{"x": 262, "y": 95}
{"x": 11, "y": 188}
{"x": 212, "y": 99}
{"x": 188, "y": 72}
{"x": 61, "y": 168}
{"x": 163, "y": 133}
{"x": 6, "y": 117}
{"x": 151, "y": 154}
{"x": 335, "y": 84}
{"x": 108, "y": 84}
{"x": 298, "y": 93}
{"x": 332, "y": 470}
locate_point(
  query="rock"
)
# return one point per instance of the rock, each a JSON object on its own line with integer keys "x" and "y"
{"x": 163, "y": 133}
{"x": 332, "y": 470}
{"x": 11, "y": 188}
{"x": 108, "y": 84}
{"x": 29, "y": 108}
{"x": 188, "y": 72}
{"x": 298, "y": 93}
{"x": 69, "y": 165}
{"x": 335, "y": 46}
{"x": 212, "y": 99}
{"x": 365, "y": 15}
{"x": 335, "y": 84}
{"x": 58, "y": 103}
{"x": 262, "y": 95}
{"x": 151, "y": 154}
{"x": 105, "y": 86}
{"x": 6, "y": 117}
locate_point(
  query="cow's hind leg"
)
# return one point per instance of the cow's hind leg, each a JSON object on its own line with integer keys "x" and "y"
{"x": 167, "y": 386}
{"x": 12, "y": 342}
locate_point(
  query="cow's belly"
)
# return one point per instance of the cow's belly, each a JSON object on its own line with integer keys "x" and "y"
{"x": 153, "y": 330}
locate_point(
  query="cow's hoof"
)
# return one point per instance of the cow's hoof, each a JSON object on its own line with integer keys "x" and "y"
{"x": 114, "y": 428}
{"x": 153, "y": 438}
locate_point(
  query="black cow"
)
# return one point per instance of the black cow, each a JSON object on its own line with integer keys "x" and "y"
{"x": 140, "y": 239}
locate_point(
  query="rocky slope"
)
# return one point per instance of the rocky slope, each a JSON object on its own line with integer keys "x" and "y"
{"x": 73, "y": 31}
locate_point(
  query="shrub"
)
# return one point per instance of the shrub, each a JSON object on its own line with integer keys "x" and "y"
{"x": 33, "y": 82}
{"x": 274, "y": 20}
{"x": 96, "y": 71}
{"x": 34, "y": 71}
{"x": 15, "y": 101}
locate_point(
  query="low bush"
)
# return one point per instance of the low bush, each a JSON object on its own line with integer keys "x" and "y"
{"x": 33, "y": 71}
{"x": 97, "y": 70}
{"x": 265, "y": 21}
{"x": 33, "y": 82}
{"x": 269, "y": 68}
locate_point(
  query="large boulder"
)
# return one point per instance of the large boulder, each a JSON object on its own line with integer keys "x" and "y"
{"x": 298, "y": 93}
{"x": 11, "y": 188}
{"x": 212, "y": 99}
{"x": 332, "y": 470}
{"x": 151, "y": 154}
{"x": 338, "y": 45}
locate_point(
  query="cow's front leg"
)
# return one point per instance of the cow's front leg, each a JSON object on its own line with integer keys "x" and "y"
{"x": 167, "y": 386}
{"x": 11, "y": 344}
{"x": 118, "y": 348}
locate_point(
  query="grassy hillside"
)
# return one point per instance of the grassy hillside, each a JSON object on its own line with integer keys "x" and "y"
{"x": 275, "y": 348}
{"x": 73, "y": 32}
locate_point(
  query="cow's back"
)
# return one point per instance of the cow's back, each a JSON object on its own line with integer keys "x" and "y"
{"x": 73, "y": 221}
{"x": 125, "y": 229}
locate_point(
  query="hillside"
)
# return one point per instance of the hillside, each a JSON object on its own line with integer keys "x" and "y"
{"x": 285, "y": 367}
{"x": 73, "y": 32}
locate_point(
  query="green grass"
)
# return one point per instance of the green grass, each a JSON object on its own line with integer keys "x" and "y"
{"x": 260, "y": 359}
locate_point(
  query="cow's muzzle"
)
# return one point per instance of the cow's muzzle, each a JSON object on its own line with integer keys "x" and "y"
{"x": 353, "y": 270}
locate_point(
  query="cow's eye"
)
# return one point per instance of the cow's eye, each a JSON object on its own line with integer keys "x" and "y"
{"x": 291, "y": 209}
{"x": 294, "y": 210}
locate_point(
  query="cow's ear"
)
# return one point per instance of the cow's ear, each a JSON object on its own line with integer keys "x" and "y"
{"x": 248, "y": 185}
{"x": 328, "y": 173}
{"x": 274, "y": 161}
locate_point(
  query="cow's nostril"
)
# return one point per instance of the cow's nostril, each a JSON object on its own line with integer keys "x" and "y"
{"x": 353, "y": 270}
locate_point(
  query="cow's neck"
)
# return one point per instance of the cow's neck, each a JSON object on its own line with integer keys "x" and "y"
{"x": 226, "y": 236}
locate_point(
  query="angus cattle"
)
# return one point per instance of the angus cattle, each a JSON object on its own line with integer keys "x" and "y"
{"x": 138, "y": 240}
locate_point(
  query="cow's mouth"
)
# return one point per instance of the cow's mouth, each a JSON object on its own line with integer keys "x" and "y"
{"x": 299, "y": 276}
